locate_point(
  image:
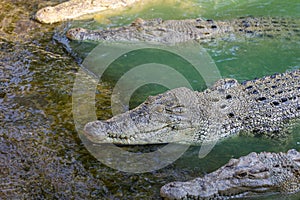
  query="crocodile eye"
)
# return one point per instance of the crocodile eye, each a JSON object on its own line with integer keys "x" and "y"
{"x": 200, "y": 26}
{"x": 241, "y": 174}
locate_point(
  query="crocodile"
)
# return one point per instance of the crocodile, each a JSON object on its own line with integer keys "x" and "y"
{"x": 175, "y": 31}
{"x": 76, "y": 8}
{"x": 253, "y": 175}
{"x": 262, "y": 107}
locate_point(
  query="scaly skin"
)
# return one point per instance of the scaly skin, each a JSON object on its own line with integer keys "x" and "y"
{"x": 261, "y": 106}
{"x": 249, "y": 176}
{"x": 76, "y": 8}
{"x": 175, "y": 31}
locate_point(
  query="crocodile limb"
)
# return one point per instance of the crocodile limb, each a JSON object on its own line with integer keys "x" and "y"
{"x": 175, "y": 31}
{"x": 76, "y": 8}
{"x": 261, "y": 106}
{"x": 249, "y": 176}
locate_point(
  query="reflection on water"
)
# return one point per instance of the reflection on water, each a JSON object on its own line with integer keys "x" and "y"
{"x": 41, "y": 155}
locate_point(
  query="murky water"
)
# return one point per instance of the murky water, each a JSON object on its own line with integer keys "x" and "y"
{"x": 41, "y": 155}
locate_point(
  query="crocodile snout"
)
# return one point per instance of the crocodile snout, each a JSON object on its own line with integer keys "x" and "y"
{"x": 96, "y": 131}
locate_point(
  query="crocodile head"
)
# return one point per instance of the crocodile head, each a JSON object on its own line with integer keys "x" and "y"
{"x": 138, "y": 30}
{"x": 251, "y": 175}
{"x": 160, "y": 119}
{"x": 46, "y": 15}
{"x": 176, "y": 116}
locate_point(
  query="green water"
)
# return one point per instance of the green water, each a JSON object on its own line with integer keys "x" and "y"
{"x": 41, "y": 153}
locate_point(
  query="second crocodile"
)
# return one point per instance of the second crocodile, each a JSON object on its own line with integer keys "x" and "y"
{"x": 175, "y": 31}
{"x": 249, "y": 176}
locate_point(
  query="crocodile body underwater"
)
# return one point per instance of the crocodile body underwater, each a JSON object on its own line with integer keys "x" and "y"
{"x": 176, "y": 31}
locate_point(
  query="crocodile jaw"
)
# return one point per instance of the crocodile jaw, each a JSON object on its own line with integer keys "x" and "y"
{"x": 217, "y": 189}
{"x": 104, "y": 132}
{"x": 205, "y": 189}
{"x": 237, "y": 179}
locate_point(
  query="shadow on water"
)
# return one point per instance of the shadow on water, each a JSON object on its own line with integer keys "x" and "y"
{"x": 41, "y": 155}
